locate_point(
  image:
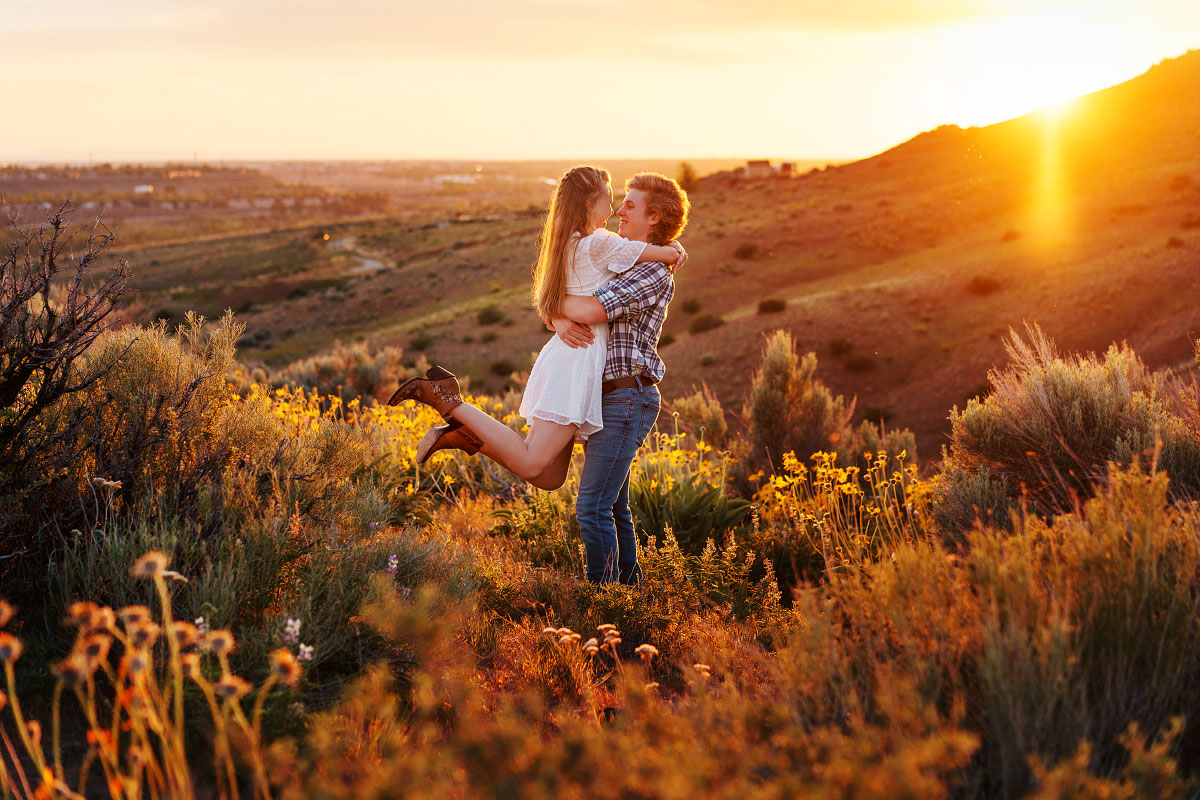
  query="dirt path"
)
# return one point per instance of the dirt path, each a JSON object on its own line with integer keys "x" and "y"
{"x": 346, "y": 244}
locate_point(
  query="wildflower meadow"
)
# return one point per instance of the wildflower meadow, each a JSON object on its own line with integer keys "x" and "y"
{"x": 222, "y": 583}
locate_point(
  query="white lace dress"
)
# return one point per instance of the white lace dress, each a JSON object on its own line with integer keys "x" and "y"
{"x": 564, "y": 385}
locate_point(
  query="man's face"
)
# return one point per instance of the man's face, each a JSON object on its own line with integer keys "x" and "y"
{"x": 636, "y": 222}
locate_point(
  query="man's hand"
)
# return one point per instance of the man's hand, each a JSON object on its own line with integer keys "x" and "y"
{"x": 572, "y": 333}
{"x": 683, "y": 256}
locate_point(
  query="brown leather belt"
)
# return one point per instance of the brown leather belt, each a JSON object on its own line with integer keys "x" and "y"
{"x": 626, "y": 383}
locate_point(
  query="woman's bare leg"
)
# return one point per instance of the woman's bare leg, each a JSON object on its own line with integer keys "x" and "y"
{"x": 527, "y": 457}
{"x": 555, "y": 475}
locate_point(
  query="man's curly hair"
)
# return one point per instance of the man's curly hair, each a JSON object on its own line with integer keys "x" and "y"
{"x": 666, "y": 199}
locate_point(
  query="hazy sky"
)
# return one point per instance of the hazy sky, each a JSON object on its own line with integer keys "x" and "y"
{"x": 129, "y": 79}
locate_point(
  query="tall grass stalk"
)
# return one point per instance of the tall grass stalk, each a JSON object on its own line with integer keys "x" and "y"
{"x": 141, "y": 744}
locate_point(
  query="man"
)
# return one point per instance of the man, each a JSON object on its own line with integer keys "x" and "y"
{"x": 655, "y": 210}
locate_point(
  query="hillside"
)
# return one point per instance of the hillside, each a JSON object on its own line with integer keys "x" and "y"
{"x": 919, "y": 259}
{"x": 902, "y": 271}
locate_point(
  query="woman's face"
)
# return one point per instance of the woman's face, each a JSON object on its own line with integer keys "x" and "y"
{"x": 600, "y": 209}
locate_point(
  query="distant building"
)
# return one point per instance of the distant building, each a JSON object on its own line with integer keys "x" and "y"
{"x": 263, "y": 202}
{"x": 143, "y": 188}
{"x": 787, "y": 169}
{"x": 239, "y": 203}
{"x": 758, "y": 168}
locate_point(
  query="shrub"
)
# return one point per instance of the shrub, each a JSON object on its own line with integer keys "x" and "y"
{"x": 489, "y": 315}
{"x": 157, "y": 424}
{"x": 545, "y": 527}
{"x": 422, "y": 341}
{"x": 982, "y": 285}
{"x": 746, "y": 252}
{"x": 708, "y": 359}
{"x": 840, "y": 348}
{"x": 684, "y": 489}
{"x": 704, "y": 322}
{"x": 502, "y": 367}
{"x": 701, "y": 415}
{"x": 47, "y": 324}
{"x": 1052, "y": 423}
{"x": 666, "y": 339}
{"x": 963, "y": 499}
{"x": 789, "y": 409}
{"x": 724, "y": 575}
{"x": 686, "y": 178}
{"x": 347, "y": 371}
{"x": 771, "y": 305}
{"x": 690, "y": 306}
{"x": 487, "y": 336}
{"x": 1088, "y": 625}
{"x": 1175, "y": 242}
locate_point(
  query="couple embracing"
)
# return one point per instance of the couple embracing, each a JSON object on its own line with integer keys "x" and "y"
{"x": 605, "y": 295}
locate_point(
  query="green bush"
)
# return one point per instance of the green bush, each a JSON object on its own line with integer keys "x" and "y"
{"x": 544, "y": 525}
{"x": 964, "y": 498}
{"x": 692, "y": 508}
{"x": 690, "y": 306}
{"x": 789, "y": 409}
{"x": 701, "y": 415}
{"x": 1052, "y": 423}
{"x": 348, "y": 371}
{"x": 1089, "y": 625}
{"x": 771, "y": 305}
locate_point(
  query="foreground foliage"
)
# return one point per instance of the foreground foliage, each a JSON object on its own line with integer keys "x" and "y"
{"x": 825, "y": 623}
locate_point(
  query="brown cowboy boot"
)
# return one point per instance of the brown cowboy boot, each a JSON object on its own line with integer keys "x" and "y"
{"x": 438, "y": 390}
{"x": 447, "y": 437}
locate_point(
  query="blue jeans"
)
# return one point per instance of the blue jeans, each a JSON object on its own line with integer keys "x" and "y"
{"x": 605, "y": 523}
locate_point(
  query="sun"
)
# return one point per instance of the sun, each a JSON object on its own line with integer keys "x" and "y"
{"x": 1037, "y": 60}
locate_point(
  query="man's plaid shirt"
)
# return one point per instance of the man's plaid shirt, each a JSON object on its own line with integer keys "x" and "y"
{"x": 636, "y": 304}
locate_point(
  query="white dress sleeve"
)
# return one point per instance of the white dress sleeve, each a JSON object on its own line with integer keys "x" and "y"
{"x": 610, "y": 252}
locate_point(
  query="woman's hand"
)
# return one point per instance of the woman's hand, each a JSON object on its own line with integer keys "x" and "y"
{"x": 683, "y": 256}
{"x": 572, "y": 333}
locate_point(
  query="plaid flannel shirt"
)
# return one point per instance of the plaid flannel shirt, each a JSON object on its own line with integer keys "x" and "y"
{"x": 636, "y": 304}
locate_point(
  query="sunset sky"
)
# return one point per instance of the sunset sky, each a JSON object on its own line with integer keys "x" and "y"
{"x": 155, "y": 79}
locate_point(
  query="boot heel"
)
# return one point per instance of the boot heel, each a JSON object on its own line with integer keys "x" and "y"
{"x": 438, "y": 373}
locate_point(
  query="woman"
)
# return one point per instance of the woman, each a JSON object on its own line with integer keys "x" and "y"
{"x": 577, "y": 255}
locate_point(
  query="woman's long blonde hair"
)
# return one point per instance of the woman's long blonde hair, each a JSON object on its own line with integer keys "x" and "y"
{"x": 568, "y": 214}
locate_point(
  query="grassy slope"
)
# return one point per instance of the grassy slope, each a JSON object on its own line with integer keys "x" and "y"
{"x": 1095, "y": 238}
